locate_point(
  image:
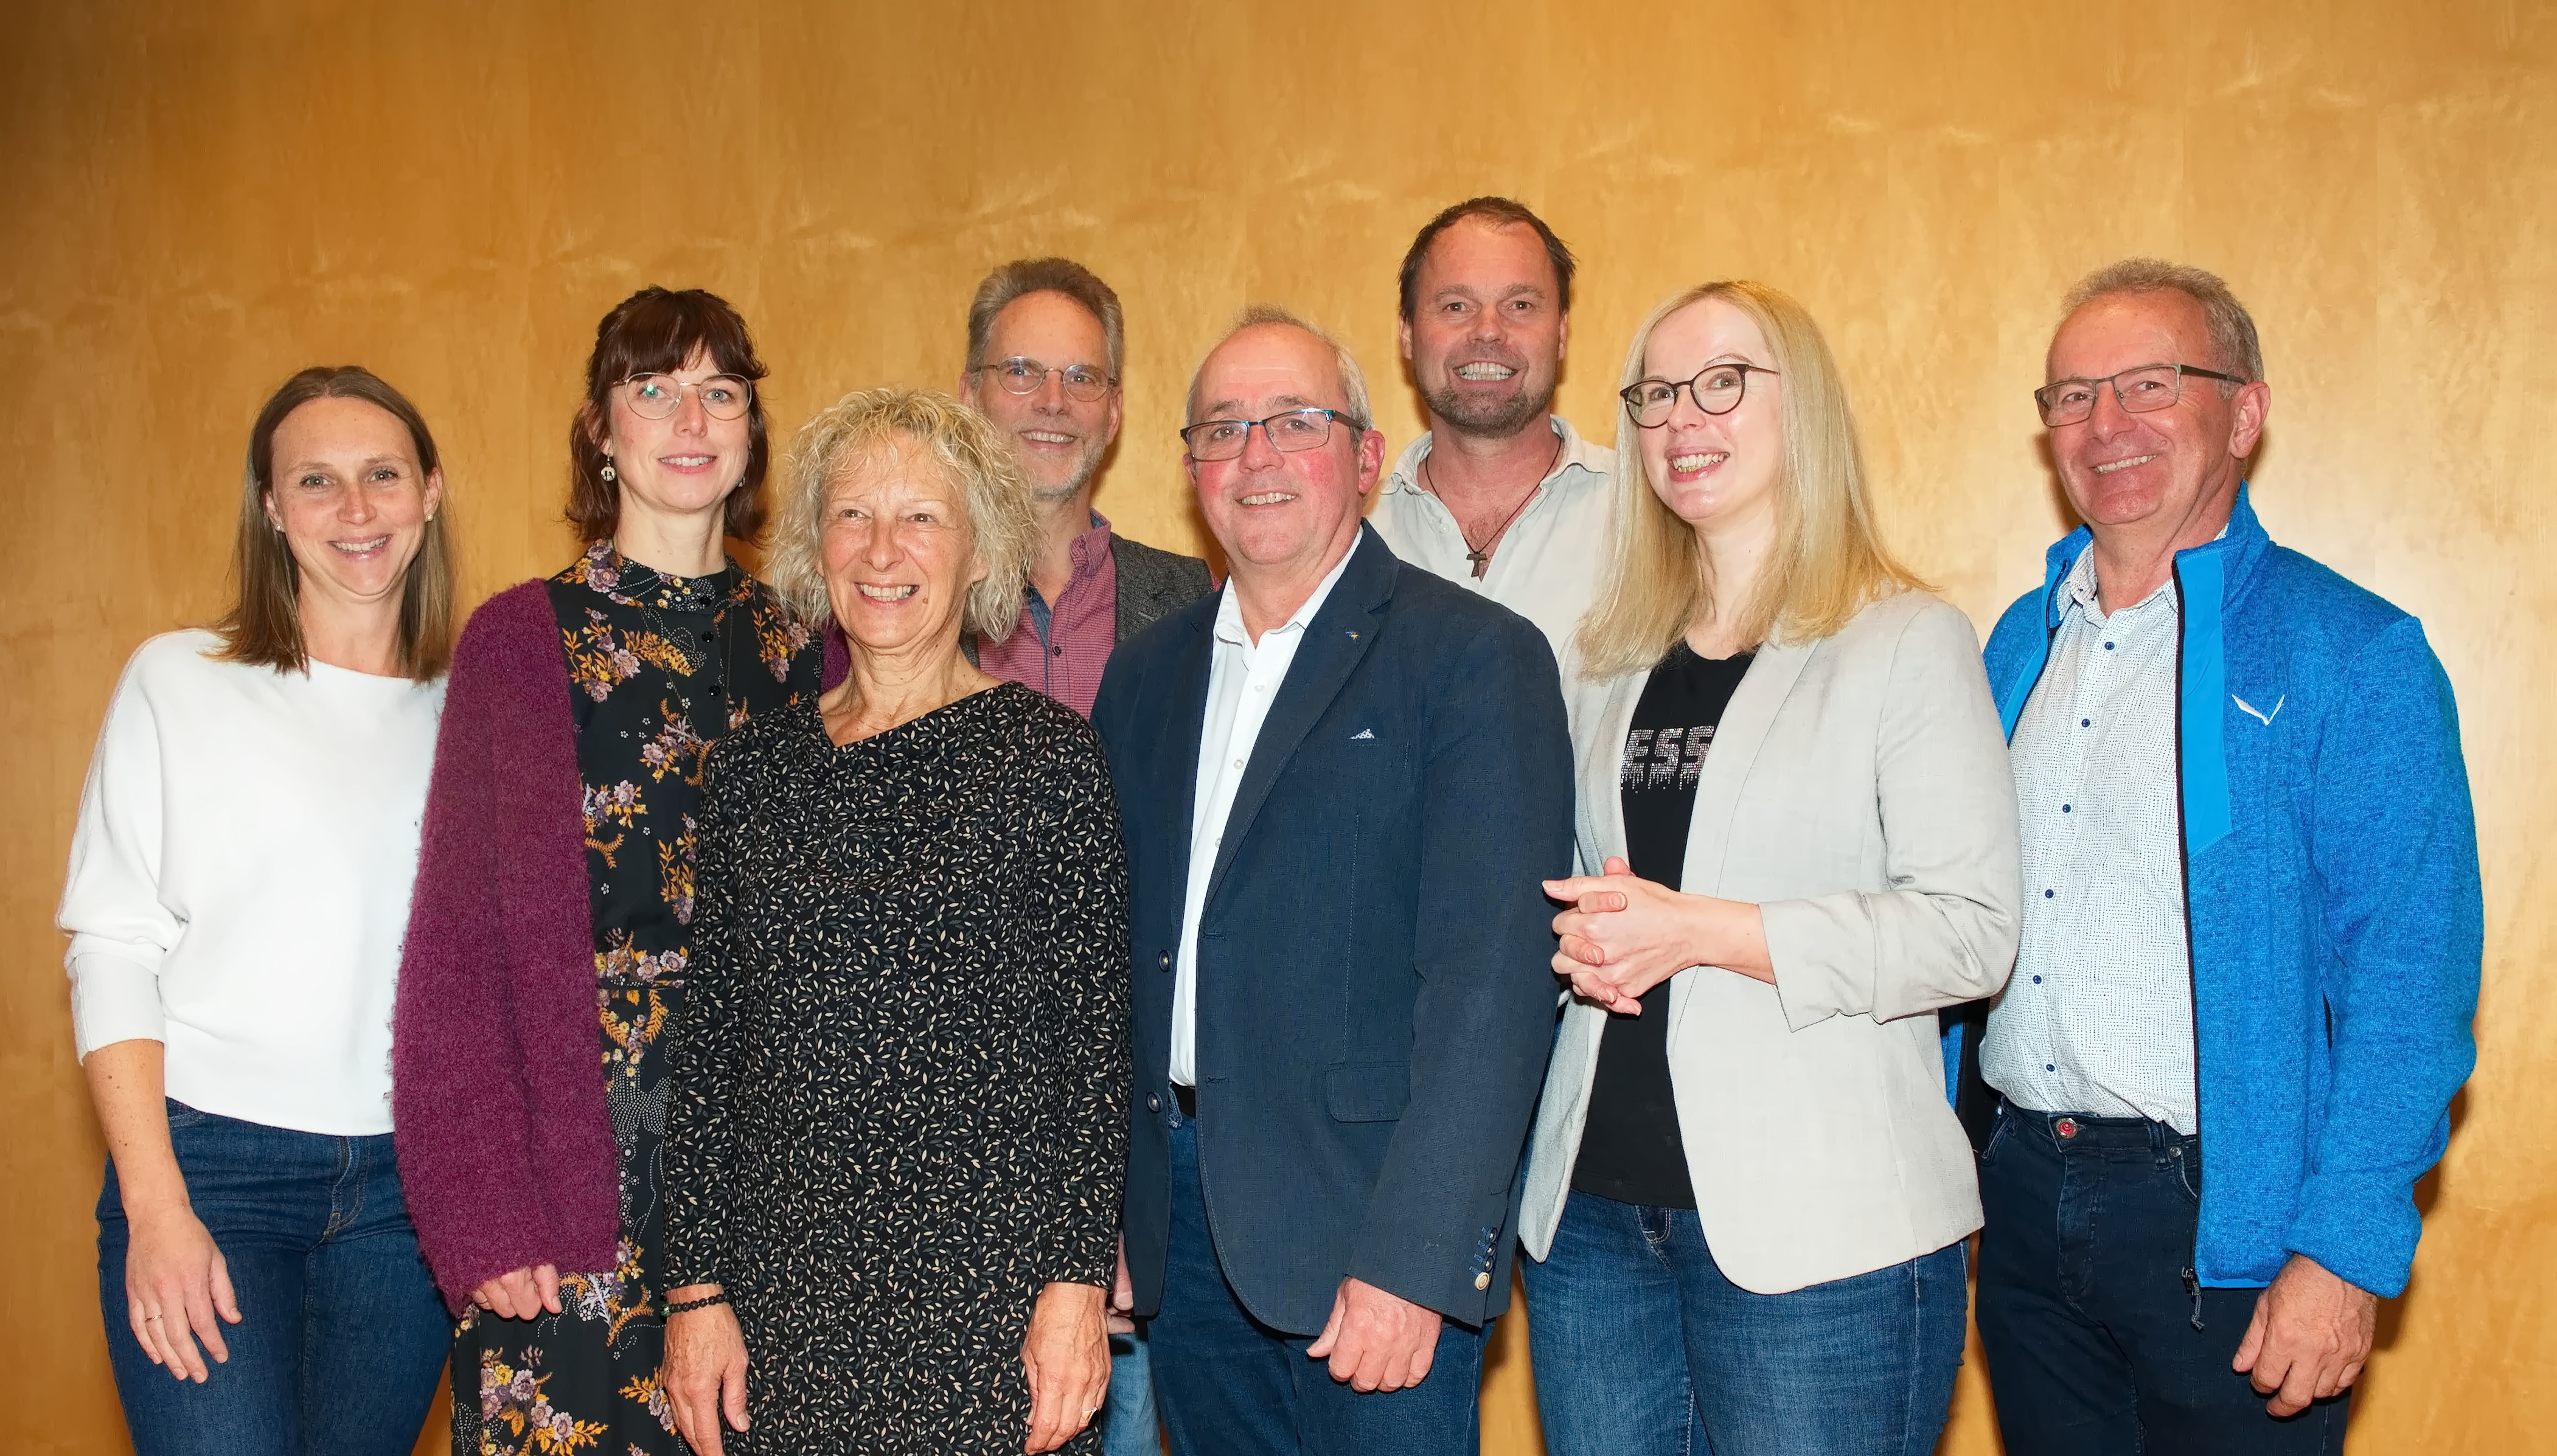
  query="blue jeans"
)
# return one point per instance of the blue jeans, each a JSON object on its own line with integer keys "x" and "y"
{"x": 1642, "y": 1348}
{"x": 1129, "y": 1425}
{"x": 2097, "y": 1339}
{"x": 1231, "y": 1385}
{"x": 341, "y": 1338}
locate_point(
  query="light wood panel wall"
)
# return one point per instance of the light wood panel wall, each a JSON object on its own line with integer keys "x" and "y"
{"x": 204, "y": 197}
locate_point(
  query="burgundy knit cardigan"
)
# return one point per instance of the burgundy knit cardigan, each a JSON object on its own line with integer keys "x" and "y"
{"x": 505, "y": 1148}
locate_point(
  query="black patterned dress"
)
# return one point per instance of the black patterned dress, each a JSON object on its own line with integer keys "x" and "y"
{"x": 901, "y": 1100}
{"x": 661, "y": 667}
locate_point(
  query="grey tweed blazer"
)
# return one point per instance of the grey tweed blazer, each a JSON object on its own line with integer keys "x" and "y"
{"x": 1153, "y": 585}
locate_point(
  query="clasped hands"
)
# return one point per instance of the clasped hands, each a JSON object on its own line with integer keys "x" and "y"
{"x": 1622, "y": 934}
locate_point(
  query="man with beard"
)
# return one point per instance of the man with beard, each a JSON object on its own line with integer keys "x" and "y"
{"x": 1044, "y": 340}
{"x": 1045, "y": 337}
{"x": 1501, "y": 497}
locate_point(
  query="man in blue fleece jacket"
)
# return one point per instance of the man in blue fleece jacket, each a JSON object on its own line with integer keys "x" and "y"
{"x": 2252, "y": 927}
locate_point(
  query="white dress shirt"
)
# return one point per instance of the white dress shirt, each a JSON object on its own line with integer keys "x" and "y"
{"x": 1243, "y": 680}
{"x": 1545, "y": 567}
{"x": 239, "y": 881}
{"x": 2097, "y": 1017}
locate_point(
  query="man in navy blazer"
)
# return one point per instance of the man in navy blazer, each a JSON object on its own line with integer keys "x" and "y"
{"x": 1342, "y": 780}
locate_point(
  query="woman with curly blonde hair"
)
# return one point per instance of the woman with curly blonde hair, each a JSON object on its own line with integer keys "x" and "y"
{"x": 895, "y": 1146}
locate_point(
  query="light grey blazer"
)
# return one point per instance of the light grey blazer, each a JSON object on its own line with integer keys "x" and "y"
{"x": 1858, "y": 791}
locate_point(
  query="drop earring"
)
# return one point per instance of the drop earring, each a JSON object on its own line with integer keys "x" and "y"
{"x": 609, "y": 476}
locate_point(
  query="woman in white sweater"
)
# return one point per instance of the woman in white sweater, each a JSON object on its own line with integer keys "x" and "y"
{"x": 239, "y": 889}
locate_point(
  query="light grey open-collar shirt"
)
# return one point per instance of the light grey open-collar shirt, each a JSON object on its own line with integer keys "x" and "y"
{"x": 1547, "y": 565}
{"x": 2097, "y": 1017}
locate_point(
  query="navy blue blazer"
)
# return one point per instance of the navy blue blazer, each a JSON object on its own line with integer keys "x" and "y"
{"x": 1375, "y": 989}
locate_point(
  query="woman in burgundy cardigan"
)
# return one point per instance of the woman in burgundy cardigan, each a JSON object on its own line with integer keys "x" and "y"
{"x": 551, "y": 925}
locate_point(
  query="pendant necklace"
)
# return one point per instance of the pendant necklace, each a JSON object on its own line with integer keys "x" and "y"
{"x": 1481, "y": 555}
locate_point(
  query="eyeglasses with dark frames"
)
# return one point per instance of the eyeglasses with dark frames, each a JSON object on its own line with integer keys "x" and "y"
{"x": 658, "y": 396}
{"x": 1018, "y": 375}
{"x": 2148, "y": 387}
{"x": 1287, "y": 430}
{"x": 1717, "y": 389}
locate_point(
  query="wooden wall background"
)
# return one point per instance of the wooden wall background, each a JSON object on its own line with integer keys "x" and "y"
{"x": 203, "y": 197}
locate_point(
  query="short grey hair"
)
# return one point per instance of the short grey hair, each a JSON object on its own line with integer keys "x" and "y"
{"x": 1024, "y": 275}
{"x": 873, "y": 427}
{"x": 1353, "y": 379}
{"x": 2232, "y": 330}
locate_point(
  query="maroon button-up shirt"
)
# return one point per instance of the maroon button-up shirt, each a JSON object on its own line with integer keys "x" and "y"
{"x": 1060, "y": 647}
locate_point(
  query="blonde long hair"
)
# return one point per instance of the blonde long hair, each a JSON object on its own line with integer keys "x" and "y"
{"x": 1828, "y": 561}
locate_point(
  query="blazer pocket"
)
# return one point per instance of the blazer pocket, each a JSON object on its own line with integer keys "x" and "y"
{"x": 1367, "y": 1092}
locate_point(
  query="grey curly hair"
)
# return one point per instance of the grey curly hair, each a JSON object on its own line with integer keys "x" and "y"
{"x": 874, "y": 428}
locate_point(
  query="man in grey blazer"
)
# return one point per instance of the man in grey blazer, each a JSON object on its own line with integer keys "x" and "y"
{"x": 1044, "y": 344}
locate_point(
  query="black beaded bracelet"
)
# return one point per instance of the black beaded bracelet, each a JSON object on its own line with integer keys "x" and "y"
{"x": 702, "y": 1303}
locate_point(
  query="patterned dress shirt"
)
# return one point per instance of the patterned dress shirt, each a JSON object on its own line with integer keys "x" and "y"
{"x": 2097, "y": 1017}
{"x": 1060, "y": 647}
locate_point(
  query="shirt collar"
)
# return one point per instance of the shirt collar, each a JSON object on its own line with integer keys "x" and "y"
{"x": 1229, "y": 607}
{"x": 2080, "y": 586}
{"x": 1084, "y": 551}
{"x": 1087, "y": 548}
{"x": 1406, "y": 475}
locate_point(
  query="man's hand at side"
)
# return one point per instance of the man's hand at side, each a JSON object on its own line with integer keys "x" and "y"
{"x": 1377, "y": 1341}
{"x": 2309, "y": 1338}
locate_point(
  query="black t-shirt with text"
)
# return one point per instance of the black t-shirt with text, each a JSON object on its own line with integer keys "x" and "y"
{"x": 1630, "y": 1149}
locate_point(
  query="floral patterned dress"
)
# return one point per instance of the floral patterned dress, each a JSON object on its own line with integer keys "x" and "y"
{"x": 661, "y": 667}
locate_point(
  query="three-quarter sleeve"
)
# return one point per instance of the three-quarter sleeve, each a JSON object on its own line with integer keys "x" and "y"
{"x": 700, "y": 1139}
{"x": 1076, "y": 905}
{"x": 119, "y": 926}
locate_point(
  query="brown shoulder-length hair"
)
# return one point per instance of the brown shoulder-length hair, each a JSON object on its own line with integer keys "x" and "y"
{"x": 264, "y": 624}
{"x": 654, "y": 330}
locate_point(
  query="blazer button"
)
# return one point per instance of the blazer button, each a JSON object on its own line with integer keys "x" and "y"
{"x": 1482, "y": 1281}
{"x": 1154, "y": 1104}
{"x": 1166, "y": 961}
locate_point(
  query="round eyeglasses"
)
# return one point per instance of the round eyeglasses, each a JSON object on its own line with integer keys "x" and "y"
{"x": 1717, "y": 389}
{"x": 1288, "y": 430}
{"x": 2148, "y": 387}
{"x": 1082, "y": 382}
{"x": 657, "y": 396}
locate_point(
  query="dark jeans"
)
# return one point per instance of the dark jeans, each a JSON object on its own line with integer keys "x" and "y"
{"x": 2099, "y": 1341}
{"x": 1642, "y": 1348}
{"x": 1129, "y": 1425}
{"x": 1231, "y": 1385}
{"x": 341, "y": 1338}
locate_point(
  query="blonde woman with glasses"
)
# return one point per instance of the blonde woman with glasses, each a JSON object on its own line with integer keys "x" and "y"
{"x": 1747, "y": 1192}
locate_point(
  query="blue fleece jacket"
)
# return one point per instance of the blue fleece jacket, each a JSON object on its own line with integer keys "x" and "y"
{"x": 2331, "y": 892}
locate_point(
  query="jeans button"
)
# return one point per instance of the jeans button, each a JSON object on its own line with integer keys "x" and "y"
{"x": 2066, "y": 1126}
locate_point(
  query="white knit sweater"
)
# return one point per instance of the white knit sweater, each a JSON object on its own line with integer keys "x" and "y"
{"x": 240, "y": 879}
